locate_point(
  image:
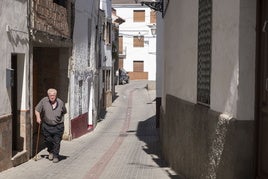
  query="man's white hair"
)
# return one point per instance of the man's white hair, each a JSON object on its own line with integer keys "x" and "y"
{"x": 51, "y": 91}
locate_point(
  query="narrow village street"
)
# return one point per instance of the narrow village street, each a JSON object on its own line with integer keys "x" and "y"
{"x": 124, "y": 145}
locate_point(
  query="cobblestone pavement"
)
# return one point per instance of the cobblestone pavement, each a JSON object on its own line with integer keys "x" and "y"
{"x": 124, "y": 145}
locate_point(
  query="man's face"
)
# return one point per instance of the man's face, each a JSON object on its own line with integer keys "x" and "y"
{"x": 52, "y": 97}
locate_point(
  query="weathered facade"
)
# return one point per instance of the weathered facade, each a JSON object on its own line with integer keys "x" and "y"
{"x": 117, "y": 21}
{"x": 83, "y": 66}
{"x": 36, "y": 43}
{"x": 45, "y": 45}
{"x": 212, "y": 83}
{"x": 51, "y": 25}
{"x": 15, "y": 123}
{"x": 106, "y": 60}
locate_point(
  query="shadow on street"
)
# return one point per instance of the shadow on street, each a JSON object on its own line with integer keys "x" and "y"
{"x": 148, "y": 133}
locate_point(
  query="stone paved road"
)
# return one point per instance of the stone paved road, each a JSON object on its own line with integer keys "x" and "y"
{"x": 124, "y": 145}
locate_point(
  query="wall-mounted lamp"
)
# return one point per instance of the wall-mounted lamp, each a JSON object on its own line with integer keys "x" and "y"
{"x": 139, "y": 36}
{"x": 157, "y": 6}
{"x": 153, "y": 29}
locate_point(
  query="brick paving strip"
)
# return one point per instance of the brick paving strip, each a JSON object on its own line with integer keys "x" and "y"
{"x": 96, "y": 171}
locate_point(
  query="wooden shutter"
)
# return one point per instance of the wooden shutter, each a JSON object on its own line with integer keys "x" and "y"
{"x": 120, "y": 44}
{"x": 138, "y": 66}
{"x": 121, "y": 63}
{"x": 138, "y": 41}
{"x": 139, "y": 16}
{"x": 152, "y": 17}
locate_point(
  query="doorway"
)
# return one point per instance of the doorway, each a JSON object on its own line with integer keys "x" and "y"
{"x": 18, "y": 130}
{"x": 262, "y": 90}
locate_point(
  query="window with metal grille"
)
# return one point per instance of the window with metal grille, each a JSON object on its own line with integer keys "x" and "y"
{"x": 139, "y": 16}
{"x": 138, "y": 41}
{"x": 138, "y": 66}
{"x": 204, "y": 51}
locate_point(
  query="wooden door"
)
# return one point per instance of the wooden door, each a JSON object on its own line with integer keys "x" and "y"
{"x": 263, "y": 93}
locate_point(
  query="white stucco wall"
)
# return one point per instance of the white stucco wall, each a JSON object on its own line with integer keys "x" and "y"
{"x": 233, "y": 58}
{"x": 83, "y": 54}
{"x": 128, "y": 29}
{"x": 107, "y": 61}
{"x": 160, "y": 56}
{"x": 225, "y": 56}
{"x": 180, "y": 51}
{"x": 14, "y": 15}
{"x": 106, "y": 5}
{"x": 233, "y": 55}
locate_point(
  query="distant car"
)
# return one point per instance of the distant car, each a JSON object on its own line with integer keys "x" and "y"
{"x": 123, "y": 76}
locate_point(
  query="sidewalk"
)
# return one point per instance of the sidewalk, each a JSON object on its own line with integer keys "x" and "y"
{"x": 124, "y": 145}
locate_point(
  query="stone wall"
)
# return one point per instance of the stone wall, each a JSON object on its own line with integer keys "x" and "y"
{"x": 200, "y": 143}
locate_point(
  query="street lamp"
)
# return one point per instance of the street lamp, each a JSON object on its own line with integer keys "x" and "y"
{"x": 139, "y": 36}
{"x": 153, "y": 29}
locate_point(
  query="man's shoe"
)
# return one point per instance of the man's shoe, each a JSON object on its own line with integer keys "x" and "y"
{"x": 50, "y": 156}
{"x": 55, "y": 160}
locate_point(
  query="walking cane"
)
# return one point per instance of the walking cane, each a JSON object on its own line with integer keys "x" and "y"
{"x": 37, "y": 142}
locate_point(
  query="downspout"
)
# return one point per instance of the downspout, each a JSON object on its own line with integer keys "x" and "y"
{"x": 30, "y": 76}
{"x": 30, "y": 102}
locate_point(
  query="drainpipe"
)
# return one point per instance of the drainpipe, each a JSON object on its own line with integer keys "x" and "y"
{"x": 30, "y": 76}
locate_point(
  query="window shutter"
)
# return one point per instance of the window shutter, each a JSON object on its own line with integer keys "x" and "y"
{"x": 139, "y": 15}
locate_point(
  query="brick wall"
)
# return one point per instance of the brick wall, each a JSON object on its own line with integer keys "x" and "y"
{"x": 50, "y": 17}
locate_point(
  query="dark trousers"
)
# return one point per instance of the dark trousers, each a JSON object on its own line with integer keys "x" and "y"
{"x": 53, "y": 136}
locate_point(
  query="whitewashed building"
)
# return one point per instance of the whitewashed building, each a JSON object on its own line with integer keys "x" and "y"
{"x": 44, "y": 44}
{"x": 137, "y": 44}
{"x": 36, "y": 46}
{"x": 15, "y": 122}
{"x": 106, "y": 54}
{"x": 83, "y": 68}
{"x": 213, "y": 120}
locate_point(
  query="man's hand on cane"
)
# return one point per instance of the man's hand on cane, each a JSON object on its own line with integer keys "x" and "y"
{"x": 38, "y": 118}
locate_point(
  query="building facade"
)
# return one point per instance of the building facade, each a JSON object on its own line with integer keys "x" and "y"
{"x": 117, "y": 21}
{"x": 137, "y": 44}
{"x": 49, "y": 44}
{"x": 213, "y": 88}
{"x": 83, "y": 68}
{"x": 51, "y": 27}
{"x": 15, "y": 123}
{"x": 106, "y": 58}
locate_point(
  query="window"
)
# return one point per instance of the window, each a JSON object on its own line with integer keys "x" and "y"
{"x": 152, "y": 17}
{"x": 89, "y": 39}
{"x": 108, "y": 33}
{"x": 121, "y": 63}
{"x": 120, "y": 44}
{"x": 138, "y": 41}
{"x": 139, "y": 16}
{"x": 138, "y": 66}
{"x": 204, "y": 51}
{"x": 60, "y": 2}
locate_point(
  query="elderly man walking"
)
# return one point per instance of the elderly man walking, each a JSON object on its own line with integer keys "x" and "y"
{"x": 50, "y": 113}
